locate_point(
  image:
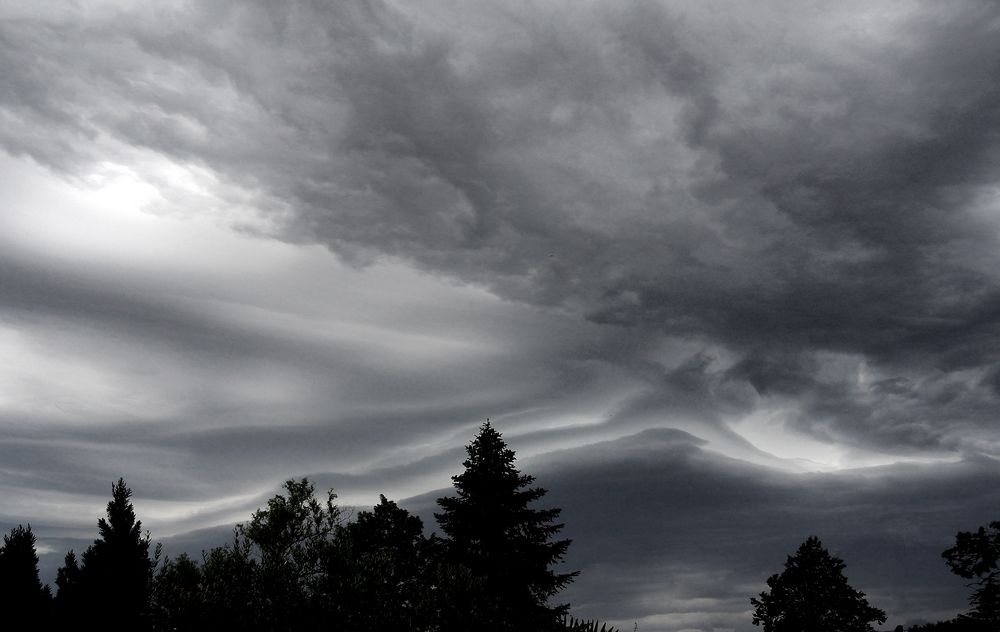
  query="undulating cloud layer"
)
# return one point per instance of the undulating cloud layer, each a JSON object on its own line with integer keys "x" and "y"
{"x": 725, "y": 274}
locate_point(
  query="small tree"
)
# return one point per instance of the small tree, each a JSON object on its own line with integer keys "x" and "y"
{"x": 976, "y": 555}
{"x": 177, "y": 603}
{"x": 493, "y": 531}
{"x": 292, "y": 532}
{"x": 117, "y": 571}
{"x": 284, "y": 550}
{"x": 380, "y": 569}
{"x": 69, "y": 595}
{"x": 231, "y": 589}
{"x": 812, "y": 595}
{"x": 21, "y": 591}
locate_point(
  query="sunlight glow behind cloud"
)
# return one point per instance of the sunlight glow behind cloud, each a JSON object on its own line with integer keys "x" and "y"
{"x": 704, "y": 258}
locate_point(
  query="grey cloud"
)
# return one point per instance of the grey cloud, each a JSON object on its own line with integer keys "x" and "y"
{"x": 191, "y": 402}
{"x": 803, "y": 207}
{"x": 677, "y": 522}
{"x": 678, "y": 537}
{"x": 639, "y": 166}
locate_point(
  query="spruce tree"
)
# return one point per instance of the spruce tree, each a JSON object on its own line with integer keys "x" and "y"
{"x": 69, "y": 597}
{"x": 492, "y": 530}
{"x": 21, "y": 592}
{"x": 117, "y": 571}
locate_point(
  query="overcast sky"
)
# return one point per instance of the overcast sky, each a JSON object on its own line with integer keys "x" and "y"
{"x": 724, "y": 274}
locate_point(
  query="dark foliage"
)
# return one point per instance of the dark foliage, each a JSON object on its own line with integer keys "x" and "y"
{"x": 578, "y": 625}
{"x": 812, "y": 595}
{"x": 112, "y": 587}
{"x": 492, "y": 530}
{"x": 177, "y": 602}
{"x": 279, "y": 560}
{"x": 21, "y": 592}
{"x": 961, "y": 624}
{"x": 69, "y": 595}
{"x": 231, "y": 588}
{"x": 381, "y": 557}
{"x": 976, "y": 556}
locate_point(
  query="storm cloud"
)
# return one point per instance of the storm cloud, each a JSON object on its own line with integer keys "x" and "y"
{"x": 367, "y": 225}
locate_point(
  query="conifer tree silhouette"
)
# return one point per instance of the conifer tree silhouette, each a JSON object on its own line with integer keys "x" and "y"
{"x": 492, "y": 530}
{"x": 21, "y": 590}
{"x": 69, "y": 591}
{"x": 117, "y": 571}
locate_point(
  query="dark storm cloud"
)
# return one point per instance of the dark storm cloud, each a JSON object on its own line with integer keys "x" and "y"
{"x": 780, "y": 184}
{"x": 695, "y": 214}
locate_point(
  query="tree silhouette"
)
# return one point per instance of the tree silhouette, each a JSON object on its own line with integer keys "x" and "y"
{"x": 812, "y": 595}
{"x": 21, "y": 591}
{"x": 231, "y": 588}
{"x": 117, "y": 571}
{"x": 69, "y": 595}
{"x": 273, "y": 575}
{"x": 292, "y": 532}
{"x": 382, "y": 555}
{"x": 491, "y": 529}
{"x": 976, "y": 555}
{"x": 177, "y": 603}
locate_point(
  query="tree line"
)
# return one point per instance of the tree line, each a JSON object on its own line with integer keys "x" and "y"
{"x": 300, "y": 564}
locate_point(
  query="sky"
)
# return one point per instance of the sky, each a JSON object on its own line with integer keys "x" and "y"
{"x": 724, "y": 274}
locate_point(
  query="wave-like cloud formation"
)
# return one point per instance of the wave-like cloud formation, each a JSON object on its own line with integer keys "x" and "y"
{"x": 803, "y": 187}
{"x": 772, "y": 226}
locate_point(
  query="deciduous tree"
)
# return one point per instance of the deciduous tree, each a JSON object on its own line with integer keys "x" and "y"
{"x": 812, "y": 595}
{"x": 976, "y": 556}
{"x": 178, "y": 601}
{"x": 383, "y": 555}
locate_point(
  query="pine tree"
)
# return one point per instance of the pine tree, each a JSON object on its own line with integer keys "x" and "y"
{"x": 812, "y": 595}
{"x": 69, "y": 591}
{"x": 21, "y": 591}
{"x": 491, "y": 529}
{"x": 117, "y": 571}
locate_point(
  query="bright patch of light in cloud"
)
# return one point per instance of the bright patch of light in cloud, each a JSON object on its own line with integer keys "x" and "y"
{"x": 724, "y": 254}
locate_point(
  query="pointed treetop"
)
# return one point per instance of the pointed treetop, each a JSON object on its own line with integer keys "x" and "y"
{"x": 19, "y": 566}
{"x": 491, "y": 529}
{"x": 121, "y": 521}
